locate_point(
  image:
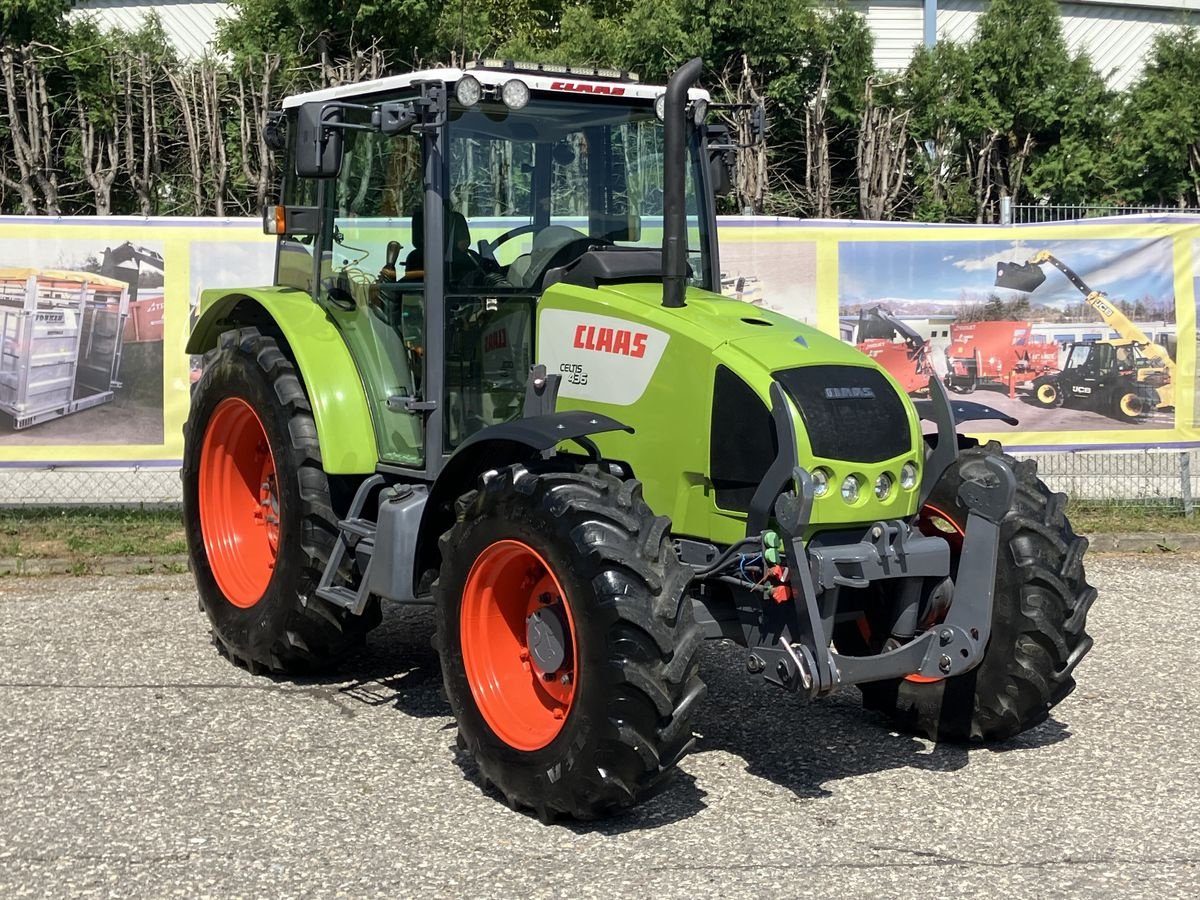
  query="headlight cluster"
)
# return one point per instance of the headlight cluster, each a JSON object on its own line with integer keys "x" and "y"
{"x": 853, "y": 485}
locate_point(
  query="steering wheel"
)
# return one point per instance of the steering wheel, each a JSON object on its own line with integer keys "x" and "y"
{"x": 492, "y": 246}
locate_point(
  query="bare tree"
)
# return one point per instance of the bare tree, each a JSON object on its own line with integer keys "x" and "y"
{"x": 254, "y": 102}
{"x": 882, "y": 158}
{"x": 198, "y": 89}
{"x": 28, "y": 114}
{"x": 818, "y": 170}
{"x": 98, "y": 142}
{"x": 140, "y": 131}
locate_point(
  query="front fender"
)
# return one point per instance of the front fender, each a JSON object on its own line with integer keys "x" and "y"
{"x": 335, "y": 390}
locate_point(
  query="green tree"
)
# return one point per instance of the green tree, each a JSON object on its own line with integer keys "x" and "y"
{"x": 27, "y": 21}
{"x": 1158, "y": 131}
{"x": 1010, "y": 112}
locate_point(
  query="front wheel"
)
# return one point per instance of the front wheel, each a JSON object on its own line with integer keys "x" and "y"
{"x": 568, "y": 647}
{"x": 1047, "y": 393}
{"x": 1039, "y": 609}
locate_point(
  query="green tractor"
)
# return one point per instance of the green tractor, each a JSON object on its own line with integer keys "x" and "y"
{"x": 494, "y": 376}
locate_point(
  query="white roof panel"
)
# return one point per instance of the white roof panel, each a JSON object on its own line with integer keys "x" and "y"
{"x": 562, "y": 84}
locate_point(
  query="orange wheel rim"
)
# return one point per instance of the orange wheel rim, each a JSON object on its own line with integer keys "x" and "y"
{"x": 518, "y": 645}
{"x": 239, "y": 502}
{"x": 934, "y": 522}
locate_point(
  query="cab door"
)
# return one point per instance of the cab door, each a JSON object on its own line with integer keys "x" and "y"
{"x": 371, "y": 279}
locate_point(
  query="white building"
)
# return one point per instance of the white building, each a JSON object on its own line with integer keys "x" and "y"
{"x": 1117, "y": 34}
{"x": 191, "y": 25}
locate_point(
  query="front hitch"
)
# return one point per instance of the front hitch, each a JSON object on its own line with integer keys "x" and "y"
{"x": 791, "y": 643}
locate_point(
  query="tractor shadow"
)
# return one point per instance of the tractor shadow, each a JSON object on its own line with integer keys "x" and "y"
{"x": 798, "y": 746}
{"x": 397, "y": 667}
{"x": 804, "y": 747}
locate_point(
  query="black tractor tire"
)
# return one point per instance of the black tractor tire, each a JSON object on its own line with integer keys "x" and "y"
{"x": 289, "y": 629}
{"x": 1039, "y": 612}
{"x": 636, "y": 679}
{"x": 1128, "y": 404}
{"x": 1047, "y": 393}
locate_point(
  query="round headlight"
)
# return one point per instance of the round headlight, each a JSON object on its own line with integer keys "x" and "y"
{"x": 883, "y": 486}
{"x": 660, "y": 106}
{"x": 820, "y": 480}
{"x": 850, "y": 488}
{"x": 468, "y": 90}
{"x": 515, "y": 93}
{"x": 908, "y": 476}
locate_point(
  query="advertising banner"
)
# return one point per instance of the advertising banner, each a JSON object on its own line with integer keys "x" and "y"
{"x": 1085, "y": 332}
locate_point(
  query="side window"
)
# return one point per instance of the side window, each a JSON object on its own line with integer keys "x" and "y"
{"x": 377, "y": 209}
{"x": 491, "y": 195}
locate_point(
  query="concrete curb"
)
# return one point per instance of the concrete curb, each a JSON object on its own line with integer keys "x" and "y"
{"x": 108, "y": 565}
{"x": 1144, "y": 542}
{"x": 1138, "y": 542}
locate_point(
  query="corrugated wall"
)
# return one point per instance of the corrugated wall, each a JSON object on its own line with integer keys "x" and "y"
{"x": 190, "y": 24}
{"x": 898, "y": 26}
{"x": 1118, "y": 37}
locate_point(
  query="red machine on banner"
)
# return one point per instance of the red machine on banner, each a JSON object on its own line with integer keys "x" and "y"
{"x": 1006, "y": 353}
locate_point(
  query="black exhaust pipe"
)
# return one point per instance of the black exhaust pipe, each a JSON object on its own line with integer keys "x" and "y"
{"x": 674, "y": 182}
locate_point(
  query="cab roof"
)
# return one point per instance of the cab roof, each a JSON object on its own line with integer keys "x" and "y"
{"x": 573, "y": 82}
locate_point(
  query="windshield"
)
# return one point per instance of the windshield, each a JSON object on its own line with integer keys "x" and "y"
{"x": 532, "y": 189}
{"x": 1079, "y": 355}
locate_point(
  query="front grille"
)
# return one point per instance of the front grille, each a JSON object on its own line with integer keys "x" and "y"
{"x": 851, "y": 413}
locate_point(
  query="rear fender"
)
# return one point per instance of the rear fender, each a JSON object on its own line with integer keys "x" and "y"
{"x": 335, "y": 390}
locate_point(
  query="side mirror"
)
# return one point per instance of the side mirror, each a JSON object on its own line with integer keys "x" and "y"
{"x": 721, "y": 158}
{"x": 318, "y": 140}
{"x": 275, "y": 131}
{"x": 758, "y": 123}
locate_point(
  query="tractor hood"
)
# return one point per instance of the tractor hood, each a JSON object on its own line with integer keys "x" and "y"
{"x": 774, "y": 341}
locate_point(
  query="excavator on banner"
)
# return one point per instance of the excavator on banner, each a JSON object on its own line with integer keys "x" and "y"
{"x": 910, "y": 362}
{"x": 1127, "y": 377}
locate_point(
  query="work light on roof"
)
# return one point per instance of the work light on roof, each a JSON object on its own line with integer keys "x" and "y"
{"x": 660, "y": 107}
{"x": 468, "y": 91}
{"x": 510, "y": 65}
{"x": 515, "y": 93}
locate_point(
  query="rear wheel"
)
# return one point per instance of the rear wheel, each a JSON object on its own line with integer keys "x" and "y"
{"x": 568, "y": 647}
{"x": 1128, "y": 404}
{"x": 1039, "y": 610}
{"x": 258, "y": 514}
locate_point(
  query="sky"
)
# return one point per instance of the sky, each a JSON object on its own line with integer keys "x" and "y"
{"x": 61, "y": 253}
{"x": 947, "y": 273}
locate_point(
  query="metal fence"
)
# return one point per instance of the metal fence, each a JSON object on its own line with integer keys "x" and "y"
{"x": 51, "y": 486}
{"x": 1032, "y": 213}
{"x": 1163, "y": 480}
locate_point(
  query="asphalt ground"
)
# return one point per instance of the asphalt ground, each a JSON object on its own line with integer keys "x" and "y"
{"x": 1070, "y": 418}
{"x": 134, "y": 761}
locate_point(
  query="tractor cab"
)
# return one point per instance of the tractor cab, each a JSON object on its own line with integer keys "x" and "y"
{"x": 427, "y": 213}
